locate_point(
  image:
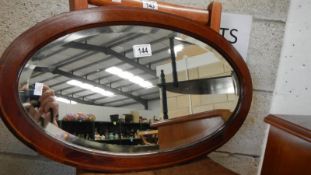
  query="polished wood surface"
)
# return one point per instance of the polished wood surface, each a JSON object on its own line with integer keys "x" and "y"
{"x": 210, "y": 16}
{"x": 215, "y": 9}
{"x": 188, "y": 129}
{"x": 204, "y": 166}
{"x": 288, "y": 149}
{"x": 78, "y": 4}
{"x": 22, "y": 48}
{"x": 225, "y": 114}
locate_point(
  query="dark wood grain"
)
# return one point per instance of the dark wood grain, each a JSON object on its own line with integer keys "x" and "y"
{"x": 21, "y": 50}
{"x": 210, "y": 17}
{"x": 288, "y": 149}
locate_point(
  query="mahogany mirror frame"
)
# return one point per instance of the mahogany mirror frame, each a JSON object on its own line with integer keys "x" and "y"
{"x": 28, "y": 43}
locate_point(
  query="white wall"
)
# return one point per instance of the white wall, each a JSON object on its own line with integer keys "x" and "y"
{"x": 152, "y": 105}
{"x": 292, "y": 93}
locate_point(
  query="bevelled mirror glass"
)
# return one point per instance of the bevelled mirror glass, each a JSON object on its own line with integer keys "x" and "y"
{"x": 128, "y": 89}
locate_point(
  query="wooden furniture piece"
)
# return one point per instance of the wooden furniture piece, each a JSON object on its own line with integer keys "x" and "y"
{"x": 204, "y": 166}
{"x": 288, "y": 149}
{"x": 210, "y": 16}
{"x": 188, "y": 129}
{"x": 20, "y": 51}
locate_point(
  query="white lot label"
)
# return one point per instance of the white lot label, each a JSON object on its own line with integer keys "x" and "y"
{"x": 150, "y": 5}
{"x": 117, "y": 1}
{"x": 142, "y": 50}
{"x": 38, "y": 89}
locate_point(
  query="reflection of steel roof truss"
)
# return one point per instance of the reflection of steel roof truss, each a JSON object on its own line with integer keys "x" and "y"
{"x": 80, "y": 65}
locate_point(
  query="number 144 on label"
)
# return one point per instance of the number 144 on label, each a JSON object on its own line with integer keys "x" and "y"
{"x": 142, "y": 50}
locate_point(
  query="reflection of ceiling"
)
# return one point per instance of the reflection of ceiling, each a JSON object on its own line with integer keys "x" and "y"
{"x": 86, "y": 59}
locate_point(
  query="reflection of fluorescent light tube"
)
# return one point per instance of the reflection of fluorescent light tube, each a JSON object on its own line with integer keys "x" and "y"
{"x": 130, "y": 77}
{"x": 73, "y": 37}
{"x": 64, "y": 100}
{"x": 178, "y": 38}
{"x": 114, "y": 70}
{"x": 177, "y": 48}
{"x": 90, "y": 88}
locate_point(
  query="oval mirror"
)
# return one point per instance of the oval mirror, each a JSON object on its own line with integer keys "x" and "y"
{"x": 124, "y": 86}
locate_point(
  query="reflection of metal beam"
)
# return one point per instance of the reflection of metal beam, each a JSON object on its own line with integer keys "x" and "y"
{"x": 109, "y": 51}
{"x": 91, "y": 32}
{"x": 72, "y": 76}
{"x": 97, "y": 62}
{"x": 85, "y": 54}
{"x": 127, "y": 104}
{"x": 110, "y": 44}
{"x": 126, "y": 85}
{"x": 75, "y": 92}
{"x": 119, "y": 87}
{"x": 77, "y": 100}
{"x": 164, "y": 97}
{"x": 100, "y": 61}
{"x": 120, "y": 64}
{"x": 110, "y": 57}
{"x": 108, "y": 76}
{"x": 113, "y": 101}
{"x": 214, "y": 85}
{"x": 173, "y": 59}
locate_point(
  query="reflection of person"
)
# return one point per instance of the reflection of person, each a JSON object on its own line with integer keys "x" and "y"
{"x": 42, "y": 109}
{"x": 47, "y": 111}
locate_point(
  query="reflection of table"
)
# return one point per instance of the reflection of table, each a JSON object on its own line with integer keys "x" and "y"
{"x": 188, "y": 129}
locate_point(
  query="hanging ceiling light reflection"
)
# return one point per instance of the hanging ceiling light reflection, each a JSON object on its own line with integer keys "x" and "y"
{"x": 130, "y": 77}
{"x": 90, "y": 88}
{"x": 64, "y": 100}
{"x": 177, "y": 48}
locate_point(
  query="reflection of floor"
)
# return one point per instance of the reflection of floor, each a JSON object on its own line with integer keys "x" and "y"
{"x": 201, "y": 167}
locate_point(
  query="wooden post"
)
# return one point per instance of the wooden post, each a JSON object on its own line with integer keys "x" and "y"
{"x": 78, "y": 5}
{"x": 194, "y": 14}
{"x": 214, "y": 9}
{"x": 210, "y": 16}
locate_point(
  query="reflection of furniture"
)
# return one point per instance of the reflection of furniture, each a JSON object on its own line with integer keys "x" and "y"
{"x": 144, "y": 134}
{"x": 190, "y": 128}
{"x": 288, "y": 149}
{"x": 87, "y": 130}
